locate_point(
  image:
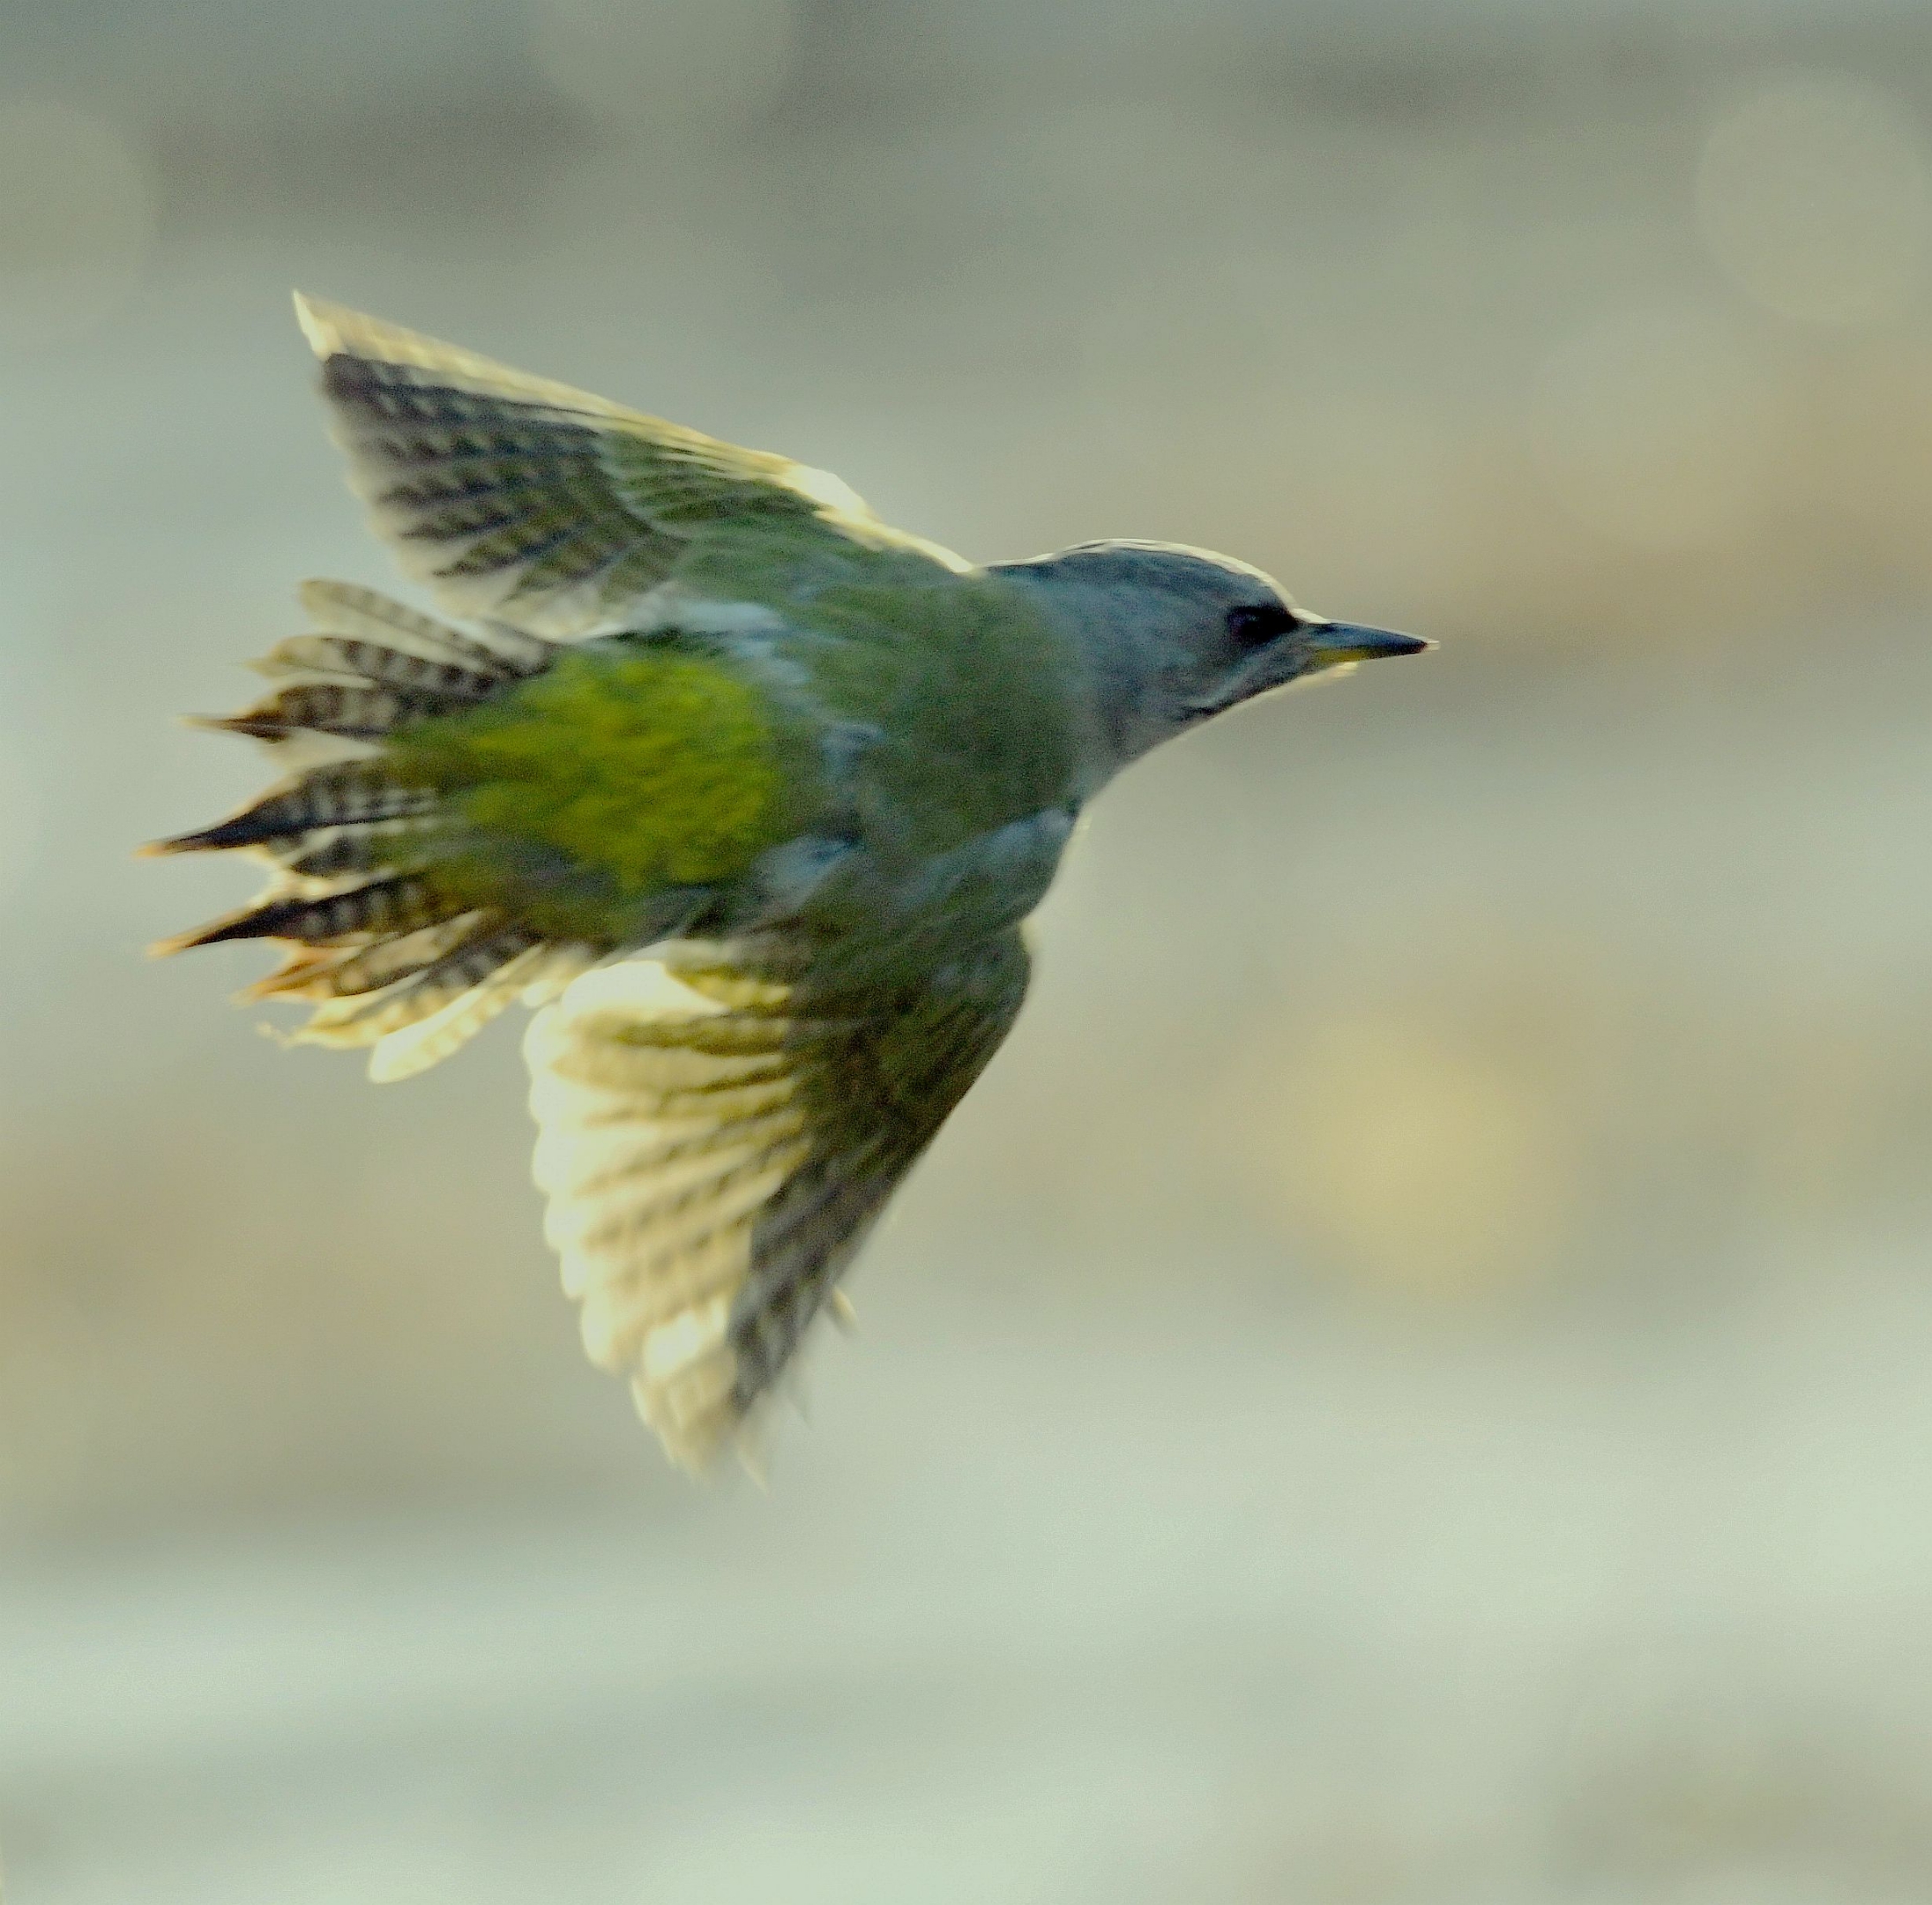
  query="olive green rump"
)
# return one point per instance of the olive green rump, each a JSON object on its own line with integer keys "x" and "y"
{"x": 623, "y": 772}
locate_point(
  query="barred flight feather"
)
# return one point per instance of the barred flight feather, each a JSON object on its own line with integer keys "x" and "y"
{"x": 513, "y": 492}
{"x": 417, "y": 1048}
{"x": 716, "y": 1139}
{"x": 391, "y": 905}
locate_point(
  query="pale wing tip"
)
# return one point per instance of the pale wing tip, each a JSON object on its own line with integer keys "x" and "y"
{"x": 322, "y": 323}
{"x": 334, "y": 329}
{"x": 694, "y": 1441}
{"x": 830, "y": 492}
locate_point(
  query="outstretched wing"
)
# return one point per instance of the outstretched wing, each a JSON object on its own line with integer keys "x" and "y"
{"x": 716, "y": 1135}
{"x": 513, "y": 496}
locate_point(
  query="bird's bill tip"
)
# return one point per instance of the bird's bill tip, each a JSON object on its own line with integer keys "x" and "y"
{"x": 1348, "y": 641}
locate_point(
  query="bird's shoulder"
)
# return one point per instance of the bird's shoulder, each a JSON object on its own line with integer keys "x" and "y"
{"x": 965, "y": 707}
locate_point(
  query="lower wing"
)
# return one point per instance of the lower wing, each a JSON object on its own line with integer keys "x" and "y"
{"x": 717, "y": 1133}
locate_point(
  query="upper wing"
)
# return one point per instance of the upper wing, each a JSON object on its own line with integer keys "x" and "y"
{"x": 715, "y": 1139}
{"x": 515, "y": 496}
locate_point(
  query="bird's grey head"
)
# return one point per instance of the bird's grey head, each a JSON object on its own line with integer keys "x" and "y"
{"x": 1174, "y": 635}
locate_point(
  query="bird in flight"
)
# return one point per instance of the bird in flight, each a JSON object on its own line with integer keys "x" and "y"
{"x": 746, "y": 792}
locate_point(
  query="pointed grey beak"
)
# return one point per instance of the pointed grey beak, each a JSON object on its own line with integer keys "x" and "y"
{"x": 1343, "y": 641}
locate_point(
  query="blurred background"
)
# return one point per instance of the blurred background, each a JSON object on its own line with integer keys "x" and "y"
{"x": 1407, "y": 1383}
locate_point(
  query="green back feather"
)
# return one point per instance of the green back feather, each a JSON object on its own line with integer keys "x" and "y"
{"x": 640, "y": 766}
{"x": 970, "y": 697}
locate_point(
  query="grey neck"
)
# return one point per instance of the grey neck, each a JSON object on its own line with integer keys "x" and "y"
{"x": 1125, "y": 658}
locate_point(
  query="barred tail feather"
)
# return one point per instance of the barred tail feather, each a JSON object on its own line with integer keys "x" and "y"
{"x": 376, "y": 847}
{"x": 421, "y": 1018}
{"x": 320, "y": 974}
{"x": 378, "y": 909}
{"x": 343, "y": 658}
{"x": 385, "y": 958}
{"x": 348, "y": 794}
{"x": 352, "y": 711}
{"x": 430, "y": 1039}
{"x": 371, "y": 665}
{"x": 361, "y": 614}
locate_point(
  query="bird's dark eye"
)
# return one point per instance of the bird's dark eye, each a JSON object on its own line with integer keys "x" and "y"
{"x": 1260, "y": 623}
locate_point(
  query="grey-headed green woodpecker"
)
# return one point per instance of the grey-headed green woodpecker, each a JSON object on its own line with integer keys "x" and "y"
{"x": 748, "y": 793}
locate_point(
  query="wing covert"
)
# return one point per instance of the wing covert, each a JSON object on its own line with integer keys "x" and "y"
{"x": 717, "y": 1133}
{"x": 511, "y": 494}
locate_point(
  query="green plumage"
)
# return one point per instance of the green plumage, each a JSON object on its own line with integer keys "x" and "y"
{"x": 796, "y": 745}
{"x": 634, "y": 765}
{"x": 971, "y": 694}
{"x": 746, "y": 789}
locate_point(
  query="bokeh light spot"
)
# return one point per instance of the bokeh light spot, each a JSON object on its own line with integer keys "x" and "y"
{"x": 1816, "y": 196}
{"x": 1421, "y": 1161}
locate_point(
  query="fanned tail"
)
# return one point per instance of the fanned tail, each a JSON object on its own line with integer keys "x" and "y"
{"x": 387, "y": 957}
